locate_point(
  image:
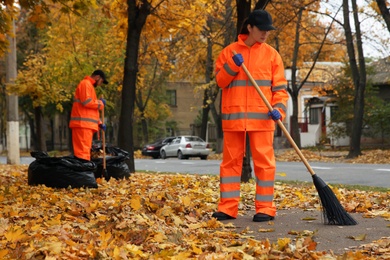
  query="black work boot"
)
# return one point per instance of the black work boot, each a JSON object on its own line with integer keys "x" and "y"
{"x": 221, "y": 216}
{"x": 261, "y": 217}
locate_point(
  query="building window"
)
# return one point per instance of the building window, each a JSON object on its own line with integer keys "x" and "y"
{"x": 171, "y": 95}
{"x": 333, "y": 111}
{"x": 315, "y": 116}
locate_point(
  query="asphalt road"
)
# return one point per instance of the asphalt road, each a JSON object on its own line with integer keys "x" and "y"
{"x": 375, "y": 175}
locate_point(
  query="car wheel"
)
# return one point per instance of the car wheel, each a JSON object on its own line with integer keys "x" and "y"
{"x": 163, "y": 155}
{"x": 203, "y": 157}
{"x": 180, "y": 155}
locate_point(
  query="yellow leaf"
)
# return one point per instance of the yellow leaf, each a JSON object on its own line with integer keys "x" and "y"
{"x": 159, "y": 238}
{"x": 53, "y": 222}
{"x": 282, "y": 174}
{"x": 55, "y": 247}
{"x": 3, "y": 253}
{"x": 135, "y": 203}
{"x": 309, "y": 218}
{"x": 266, "y": 230}
{"x": 15, "y": 234}
{"x": 196, "y": 249}
{"x": 186, "y": 201}
{"x": 283, "y": 242}
{"x": 116, "y": 253}
{"x": 358, "y": 238}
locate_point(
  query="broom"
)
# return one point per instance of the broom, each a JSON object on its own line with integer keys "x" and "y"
{"x": 333, "y": 212}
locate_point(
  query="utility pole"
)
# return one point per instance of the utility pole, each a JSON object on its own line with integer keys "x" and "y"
{"x": 13, "y": 151}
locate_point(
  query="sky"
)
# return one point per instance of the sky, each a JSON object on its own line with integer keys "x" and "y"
{"x": 376, "y": 36}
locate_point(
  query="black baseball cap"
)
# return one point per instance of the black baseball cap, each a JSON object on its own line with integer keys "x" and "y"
{"x": 261, "y": 19}
{"x": 101, "y": 74}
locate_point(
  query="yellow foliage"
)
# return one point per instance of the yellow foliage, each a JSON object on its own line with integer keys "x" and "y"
{"x": 81, "y": 223}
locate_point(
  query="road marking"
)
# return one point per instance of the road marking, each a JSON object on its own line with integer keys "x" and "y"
{"x": 160, "y": 162}
{"x": 384, "y": 170}
{"x": 321, "y": 168}
{"x": 188, "y": 163}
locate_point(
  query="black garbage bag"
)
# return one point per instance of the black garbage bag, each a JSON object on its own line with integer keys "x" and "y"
{"x": 116, "y": 166}
{"x": 61, "y": 172}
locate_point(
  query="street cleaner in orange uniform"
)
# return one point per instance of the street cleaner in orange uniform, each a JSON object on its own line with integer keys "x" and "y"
{"x": 243, "y": 111}
{"x": 84, "y": 118}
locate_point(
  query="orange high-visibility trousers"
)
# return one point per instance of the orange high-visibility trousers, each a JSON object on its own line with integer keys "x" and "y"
{"x": 261, "y": 144}
{"x": 82, "y": 142}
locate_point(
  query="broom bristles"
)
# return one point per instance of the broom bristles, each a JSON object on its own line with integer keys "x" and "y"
{"x": 333, "y": 211}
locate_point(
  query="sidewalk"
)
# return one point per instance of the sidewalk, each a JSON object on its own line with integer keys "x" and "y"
{"x": 296, "y": 222}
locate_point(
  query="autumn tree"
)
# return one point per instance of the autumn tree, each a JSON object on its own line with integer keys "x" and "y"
{"x": 50, "y": 74}
{"x": 358, "y": 71}
{"x": 301, "y": 39}
{"x": 181, "y": 17}
{"x": 384, "y": 10}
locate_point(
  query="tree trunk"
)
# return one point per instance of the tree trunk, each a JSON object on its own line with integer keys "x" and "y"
{"x": 218, "y": 126}
{"x": 208, "y": 73}
{"x": 137, "y": 14}
{"x": 13, "y": 150}
{"x": 384, "y": 12}
{"x": 246, "y": 174}
{"x": 41, "y": 141}
{"x": 144, "y": 125}
{"x": 358, "y": 76}
{"x": 294, "y": 124}
{"x": 243, "y": 11}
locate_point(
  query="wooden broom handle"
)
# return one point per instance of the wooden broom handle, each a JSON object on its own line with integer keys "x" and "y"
{"x": 280, "y": 124}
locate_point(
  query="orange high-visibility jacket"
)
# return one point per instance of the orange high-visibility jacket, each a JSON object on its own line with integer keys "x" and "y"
{"x": 86, "y": 106}
{"x": 242, "y": 107}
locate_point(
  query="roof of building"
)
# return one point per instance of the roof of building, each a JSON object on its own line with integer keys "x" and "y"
{"x": 381, "y": 74}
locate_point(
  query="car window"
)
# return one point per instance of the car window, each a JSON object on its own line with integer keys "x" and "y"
{"x": 193, "y": 139}
{"x": 168, "y": 140}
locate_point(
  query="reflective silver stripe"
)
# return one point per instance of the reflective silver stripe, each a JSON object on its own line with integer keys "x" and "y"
{"x": 227, "y": 180}
{"x": 245, "y": 83}
{"x": 230, "y": 194}
{"x": 229, "y": 70}
{"x": 266, "y": 198}
{"x": 235, "y": 116}
{"x": 280, "y": 105}
{"x": 277, "y": 88}
{"x": 264, "y": 184}
{"x": 84, "y": 119}
{"x": 237, "y": 83}
{"x": 261, "y": 83}
{"x": 257, "y": 115}
{"x": 84, "y": 103}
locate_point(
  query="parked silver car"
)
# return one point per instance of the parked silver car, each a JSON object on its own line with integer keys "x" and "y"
{"x": 184, "y": 147}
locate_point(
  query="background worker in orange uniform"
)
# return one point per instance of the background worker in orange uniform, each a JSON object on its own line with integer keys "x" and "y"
{"x": 243, "y": 111}
{"x": 84, "y": 118}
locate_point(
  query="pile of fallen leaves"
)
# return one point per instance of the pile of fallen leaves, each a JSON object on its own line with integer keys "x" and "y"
{"x": 153, "y": 216}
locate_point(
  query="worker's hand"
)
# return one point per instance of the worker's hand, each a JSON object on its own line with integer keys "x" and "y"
{"x": 275, "y": 114}
{"x": 103, "y": 101}
{"x": 238, "y": 59}
{"x": 103, "y": 127}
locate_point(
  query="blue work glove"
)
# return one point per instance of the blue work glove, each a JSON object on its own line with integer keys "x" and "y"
{"x": 104, "y": 101}
{"x": 275, "y": 114}
{"x": 238, "y": 59}
{"x": 103, "y": 127}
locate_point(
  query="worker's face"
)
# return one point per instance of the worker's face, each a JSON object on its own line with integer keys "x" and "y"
{"x": 257, "y": 35}
{"x": 98, "y": 81}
